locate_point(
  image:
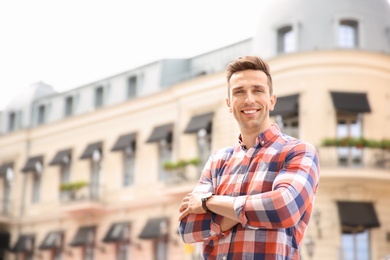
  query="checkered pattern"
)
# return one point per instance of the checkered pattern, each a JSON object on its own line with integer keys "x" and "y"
{"x": 274, "y": 184}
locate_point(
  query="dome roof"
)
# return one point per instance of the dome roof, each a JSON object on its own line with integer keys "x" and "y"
{"x": 315, "y": 24}
{"x": 26, "y": 97}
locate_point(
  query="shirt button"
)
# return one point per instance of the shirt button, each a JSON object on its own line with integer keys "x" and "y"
{"x": 224, "y": 258}
{"x": 262, "y": 142}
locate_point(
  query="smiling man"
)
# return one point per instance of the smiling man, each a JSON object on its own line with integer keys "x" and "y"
{"x": 253, "y": 200}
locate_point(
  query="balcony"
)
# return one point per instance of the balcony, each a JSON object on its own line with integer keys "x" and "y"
{"x": 353, "y": 157}
{"x": 81, "y": 198}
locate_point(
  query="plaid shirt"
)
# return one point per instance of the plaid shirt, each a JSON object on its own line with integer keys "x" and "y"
{"x": 274, "y": 184}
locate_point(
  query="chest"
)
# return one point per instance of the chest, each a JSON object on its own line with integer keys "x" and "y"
{"x": 250, "y": 172}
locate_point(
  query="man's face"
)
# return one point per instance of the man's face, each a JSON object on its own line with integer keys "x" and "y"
{"x": 250, "y": 100}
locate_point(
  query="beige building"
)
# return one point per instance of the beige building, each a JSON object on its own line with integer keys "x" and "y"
{"x": 84, "y": 173}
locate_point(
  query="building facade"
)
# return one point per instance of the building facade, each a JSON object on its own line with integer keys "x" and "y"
{"x": 99, "y": 171}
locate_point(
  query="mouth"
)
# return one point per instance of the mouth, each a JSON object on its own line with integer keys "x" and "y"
{"x": 250, "y": 111}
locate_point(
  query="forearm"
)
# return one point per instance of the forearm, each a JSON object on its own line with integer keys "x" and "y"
{"x": 223, "y": 206}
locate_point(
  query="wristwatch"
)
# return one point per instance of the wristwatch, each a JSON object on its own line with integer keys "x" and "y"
{"x": 204, "y": 197}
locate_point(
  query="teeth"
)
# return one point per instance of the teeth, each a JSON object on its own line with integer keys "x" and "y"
{"x": 249, "y": 111}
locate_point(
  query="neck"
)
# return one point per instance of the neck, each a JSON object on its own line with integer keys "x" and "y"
{"x": 249, "y": 137}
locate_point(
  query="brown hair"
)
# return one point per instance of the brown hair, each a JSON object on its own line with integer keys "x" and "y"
{"x": 248, "y": 63}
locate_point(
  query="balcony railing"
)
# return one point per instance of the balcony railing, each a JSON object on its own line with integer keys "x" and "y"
{"x": 354, "y": 157}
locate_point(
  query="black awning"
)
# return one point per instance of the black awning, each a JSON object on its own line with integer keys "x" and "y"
{"x": 88, "y": 152}
{"x": 25, "y": 243}
{"x": 160, "y": 133}
{"x": 62, "y": 157}
{"x": 31, "y": 164}
{"x": 125, "y": 141}
{"x": 4, "y": 167}
{"x": 118, "y": 232}
{"x": 351, "y": 102}
{"x": 357, "y": 216}
{"x": 155, "y": 228}
{"x": 5, "y": 238}
{"x": 199, "y": 122}
{"x": 286, "y": 106}
{"x": 84, "y": 236}
{"x": 53, "y": 240}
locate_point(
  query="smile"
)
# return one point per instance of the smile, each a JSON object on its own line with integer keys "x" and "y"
{"x": 249, "y": 111}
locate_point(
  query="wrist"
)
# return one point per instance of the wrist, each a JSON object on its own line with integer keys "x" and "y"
{"x": 204, "y": 198}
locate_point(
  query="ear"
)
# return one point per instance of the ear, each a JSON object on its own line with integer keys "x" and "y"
{"x": 228, "y": 104}
{"x": 273, "y": 102}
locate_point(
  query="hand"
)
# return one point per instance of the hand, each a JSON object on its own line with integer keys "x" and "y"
{"x": 191, "y": 204}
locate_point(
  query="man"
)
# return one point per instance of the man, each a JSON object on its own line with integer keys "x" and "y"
{"x": 253, "y": 200}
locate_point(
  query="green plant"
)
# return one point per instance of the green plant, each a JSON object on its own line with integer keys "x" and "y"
{"x": 73, "y": 186}
{"x": 180, "y": 164}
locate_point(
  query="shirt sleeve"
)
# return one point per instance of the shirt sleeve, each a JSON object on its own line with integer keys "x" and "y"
{"x": 201, "y": 227}
{"x": 293, "y": 192}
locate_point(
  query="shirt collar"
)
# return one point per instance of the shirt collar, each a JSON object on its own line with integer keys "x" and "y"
{"x": 263, "y": 138}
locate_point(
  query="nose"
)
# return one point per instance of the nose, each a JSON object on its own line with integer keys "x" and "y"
{"x": 249, "y": 99}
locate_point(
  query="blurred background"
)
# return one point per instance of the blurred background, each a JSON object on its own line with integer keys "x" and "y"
{"x": 109, "y": 111}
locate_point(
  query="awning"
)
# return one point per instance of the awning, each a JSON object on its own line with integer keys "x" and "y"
{"x": 118, "y": 232}
{"x": 5, "y": 238}
{"x": 286, "y": 106}
{"x": 62, "y": 157}
{"x": 4, "y": 167}
{"x": 357, "y": 216}
{"x": 155, "y": 228}
{"x": 32, "y": 163}
{"x": 351, "y": 102}
{"x": 199, "y": 122}
{"x": 52, "y": 240}
{"x": 84, "y": 236}
{"x": 160, "y": 133}
{"x": 25, "y": 243}
{"x": 125, "y": 141}
{"x": 88, "y": 152}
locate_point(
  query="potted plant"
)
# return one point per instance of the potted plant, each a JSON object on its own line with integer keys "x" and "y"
{"x": 73, "y": 187}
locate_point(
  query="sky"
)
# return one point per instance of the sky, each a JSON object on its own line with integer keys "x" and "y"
{"x": 68, "y": 44}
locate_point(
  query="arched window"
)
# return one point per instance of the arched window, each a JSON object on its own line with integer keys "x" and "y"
{"x": 348, "y": 34}
{"x": 286, "y": 39}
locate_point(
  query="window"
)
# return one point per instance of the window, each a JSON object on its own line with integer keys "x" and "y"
{"x": 65, "y": 176}
{"x": 99, "y": 97}
{"x": 204, "y": 145}
{"x": 286, "y": 40}
{"x": 289, "y": 125}
{"x": 11, "y": 121}
{"x": 132, "y": 87}
{"x": 348, "y": 34}
{"x": 36, "y": 189}
{"x": 356, "y": 246}
{"x": 129, "y": 165}
{"x": 41, "y": 114}
{"x": 160, "y": 248}
{"x": 69, "y": 106}
{"x": 7, "y": 184}
{"x": 165, "y": 154}
{"x": 95, "y": 174}
{"x": 349, "y": 126}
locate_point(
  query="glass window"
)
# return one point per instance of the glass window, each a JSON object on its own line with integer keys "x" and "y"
{"x": 41, "y": 114}
{"x": 36, "y": 187}
{"x": 65, "y": 176}
{"x": 204, "y": 146}
{"x": 286, "y": 40}
{"x": 95, "y": 174}
{"x": 356, "y": 246}
{"x": 348, "y": 34}
{"x": 160, "y": 249}
{"x": 349, "y": 126}
{"x": 123, "y": 250}
{"x": 132, "y": 87}
{"x": 165, "y": 154}
{"x": 69, "y": 106}
{"x": 11, "y": 121}
{"x": 129, "y": 166}
{"x": 99, "y": 97}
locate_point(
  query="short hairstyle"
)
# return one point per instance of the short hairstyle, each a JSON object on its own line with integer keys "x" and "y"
{"x": 248, "y": 63}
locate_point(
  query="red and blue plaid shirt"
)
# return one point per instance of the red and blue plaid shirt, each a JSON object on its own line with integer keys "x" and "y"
{"x": 274, "y": 184}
